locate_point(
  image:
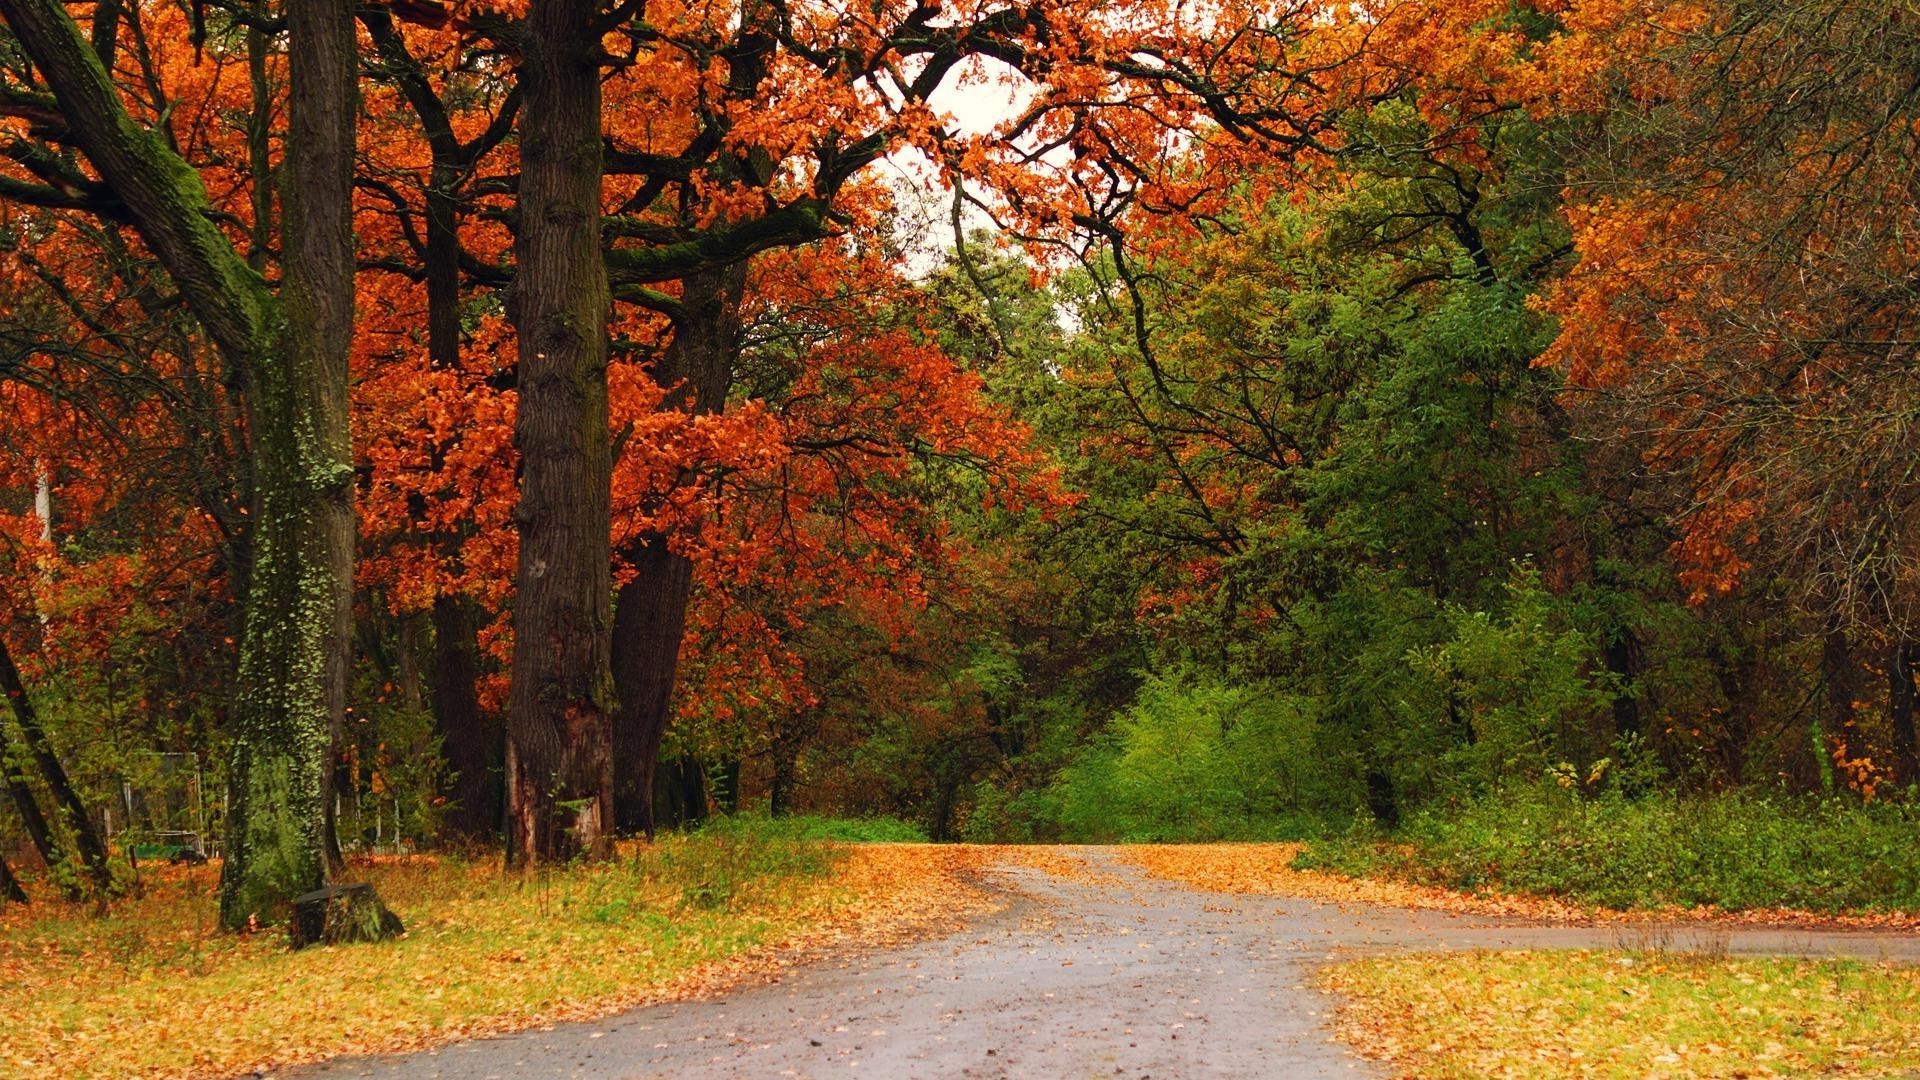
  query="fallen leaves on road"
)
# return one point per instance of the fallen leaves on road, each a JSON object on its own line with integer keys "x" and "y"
{"x": 1568, "y": 1014}
{"x": 1061, "y": 861}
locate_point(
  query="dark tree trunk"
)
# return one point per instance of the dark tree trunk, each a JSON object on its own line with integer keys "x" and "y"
{"x": 559, "y": 719}
{"x": 38, "y": 830}
{"x": 941, "y": 828}
{"x": 472, "y": 741}
{"x": 780, "y": 788}
{"x": 650, "y": 612}
{"x": 1810, "y": 767}
{"x": 681, "y": 788}
{"x": 1620, "y": 655}
{"x": 1382, "y": 802}
{"x": 1900, "y": 710}
{"x": 9, "y": 885}
{"x": 93, "y": 851}
{"x": 650, "y": 618}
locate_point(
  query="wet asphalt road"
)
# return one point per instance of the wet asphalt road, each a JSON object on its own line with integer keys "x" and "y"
{"x": 1108, "y": 975}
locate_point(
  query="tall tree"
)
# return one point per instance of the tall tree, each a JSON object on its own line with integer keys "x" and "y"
{"x": 290, "y": 349}
{"x": 559, "y": 717}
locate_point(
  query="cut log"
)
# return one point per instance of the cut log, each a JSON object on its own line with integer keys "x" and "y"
{"x": 339, "y": 914}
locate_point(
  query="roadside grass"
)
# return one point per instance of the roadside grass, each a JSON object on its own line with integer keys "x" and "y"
{"x": 1610, "y": 1014}
{"x": 874, "y": 830}
{"x": 1731, "y": 851}
{"x": 154, "y": 988}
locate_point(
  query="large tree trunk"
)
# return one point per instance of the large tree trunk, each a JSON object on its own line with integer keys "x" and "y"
{"x": 93, "y": 851}
{"x": 298, "y": 645}
{"x": 292, "y": 351}
{"x": 650, "y": 612}
{"x": 559, "y": 729}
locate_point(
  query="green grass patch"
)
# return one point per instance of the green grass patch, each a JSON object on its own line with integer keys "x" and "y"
{"x": 875, "y": 830}
{"x": 156, "y": 988}
{"x": 1607, "y": 1014}
{"x": 1733, "y": 851}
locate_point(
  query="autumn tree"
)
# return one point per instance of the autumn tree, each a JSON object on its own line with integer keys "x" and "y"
{"x": 290, "y": 346}
{"x": 1745, "y": 298}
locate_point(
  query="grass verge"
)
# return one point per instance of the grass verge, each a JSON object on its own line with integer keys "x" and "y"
{"x": 1607, "y": 1014}
{"x": 155, "y": 989}
{"x": 1730, "y": 852}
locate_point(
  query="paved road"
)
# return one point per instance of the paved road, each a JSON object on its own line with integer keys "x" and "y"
{"x": 1108, "y": 975}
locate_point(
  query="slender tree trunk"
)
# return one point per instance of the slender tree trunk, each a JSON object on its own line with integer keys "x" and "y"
{"x": 1900, "y": 712}
{"x": 650, "y": 612}
{"x": 1620, "y": 655}
{"x": 559, "y": 728}
{"x": 780, "y": 789}
{"x": 93, "y": 851}
{"x": 9, "y": 885}
{"x": 298, "y": 645}
{"x": 472, "y": 742}
{"x": 38, "y": 830}
{"x": 1842, "y": 688}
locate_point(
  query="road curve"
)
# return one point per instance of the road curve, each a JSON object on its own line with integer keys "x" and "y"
{"x": 1107, "y": 973}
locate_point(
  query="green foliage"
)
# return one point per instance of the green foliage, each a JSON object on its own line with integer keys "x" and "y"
{"x": 1518, "y": 684}
{"x": 1736, "y": 851}
{"x": 734, "y": 855}
{"x": 1196, "y": 759}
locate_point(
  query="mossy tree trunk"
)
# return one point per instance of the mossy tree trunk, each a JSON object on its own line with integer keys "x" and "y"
{"x": 291, "y": 349}
{"x": 559, "y": 713}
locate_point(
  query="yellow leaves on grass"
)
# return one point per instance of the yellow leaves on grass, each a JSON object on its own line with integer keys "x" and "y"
{"x": 156, "y": 990}
{"x": 1537, "y": 1014}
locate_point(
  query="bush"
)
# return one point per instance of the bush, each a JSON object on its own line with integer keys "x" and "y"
{"x": 1735, "y": 851}
{"x": 1196, "y": 759}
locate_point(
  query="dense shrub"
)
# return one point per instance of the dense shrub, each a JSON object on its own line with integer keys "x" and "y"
{"x": 1196, "y": 759}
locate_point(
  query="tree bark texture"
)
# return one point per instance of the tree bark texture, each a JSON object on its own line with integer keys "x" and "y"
{"x": 559, "y": 718}
{"x": 650, "y": 612}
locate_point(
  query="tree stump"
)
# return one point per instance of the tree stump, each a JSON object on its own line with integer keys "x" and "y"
{"x": 342, "y": 913}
